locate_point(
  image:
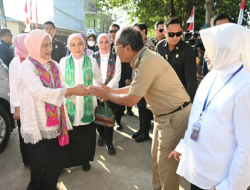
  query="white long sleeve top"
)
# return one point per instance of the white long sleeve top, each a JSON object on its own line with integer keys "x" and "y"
{"x": 14, "y": 83}
{"x": 33, "y": 96}
{"x": 114, "y": 82}
{"x": 79, "y": 100}
{"x": 221, "y": 156}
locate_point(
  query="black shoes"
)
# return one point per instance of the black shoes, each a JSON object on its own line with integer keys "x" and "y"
{"x": 131, "y": 113}
{"x": 100, "y": 141}
{"x": 110, "y": 148}
{"x": 119, "y": 126}
{"x": 86, "y": 167}
{"x": 137, "y": 134}
{"x": 142, "y": 137}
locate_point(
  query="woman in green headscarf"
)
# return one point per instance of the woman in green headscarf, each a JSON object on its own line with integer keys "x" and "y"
{"x": 78, "y": 68}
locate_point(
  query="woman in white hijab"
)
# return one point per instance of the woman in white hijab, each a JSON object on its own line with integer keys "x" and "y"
{"x": 215, "y": 152}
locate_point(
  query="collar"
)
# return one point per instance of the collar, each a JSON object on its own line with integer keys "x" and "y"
{"x": 3, "y": 42}
{"x": 229, "y": 71}
{"x": 135, "y": 61}
{"x": 78, "y": 60}
{"x": 166, "y": 43}
{"x": 104, "y": 56}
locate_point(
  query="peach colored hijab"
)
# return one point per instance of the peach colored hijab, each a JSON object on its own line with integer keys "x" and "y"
{"x": 33, "y": 43}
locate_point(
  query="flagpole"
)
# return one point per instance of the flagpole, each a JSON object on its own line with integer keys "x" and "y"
{"x": 241, "y": 13}
{"x": 36, "y": 16}
{"x": 194, "y": 14}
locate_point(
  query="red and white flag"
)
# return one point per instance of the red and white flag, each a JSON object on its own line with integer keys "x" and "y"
{"x": 242, "y": 7}
{"x": 30, "y": 10}
{"x": 191, "y": 21}
{"x": 36, "y": 17}
{"x": 27, "y": 22}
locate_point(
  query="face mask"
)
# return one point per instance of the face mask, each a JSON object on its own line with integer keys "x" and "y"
{"x": 91, "y": 43}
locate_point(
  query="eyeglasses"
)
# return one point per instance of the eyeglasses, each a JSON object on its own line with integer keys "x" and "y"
{"x": 116, "y": 47}
{"x": 75, "y": 46}
{"x": 10, "y": 35}
{"x": 160, "y": 30}
{"x": 172, "y": 34}
{"x": 111, "y": 31}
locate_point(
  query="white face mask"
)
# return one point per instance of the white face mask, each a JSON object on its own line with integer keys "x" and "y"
{"x": 91, "y": 43}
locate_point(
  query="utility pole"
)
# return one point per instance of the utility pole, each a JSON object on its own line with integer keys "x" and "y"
{"x": 208, "y": 7}
{"x": 3, "y": 19}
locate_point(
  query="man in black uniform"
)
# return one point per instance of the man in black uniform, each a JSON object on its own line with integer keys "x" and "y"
{"x": 58, "y": 51}
{"x": 180, "y": 55}
{"x": 126, "y": 74}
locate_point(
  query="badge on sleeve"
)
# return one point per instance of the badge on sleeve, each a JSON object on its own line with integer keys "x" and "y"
{"x": 195, "y": 131}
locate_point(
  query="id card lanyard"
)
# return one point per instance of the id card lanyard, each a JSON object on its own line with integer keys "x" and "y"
{"x": 207, "y": 104}
{"x": 197, "y": 125}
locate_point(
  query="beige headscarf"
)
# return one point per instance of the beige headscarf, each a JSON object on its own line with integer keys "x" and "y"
{"x": 226, "y": 44}
{"x": 33, "y": 43}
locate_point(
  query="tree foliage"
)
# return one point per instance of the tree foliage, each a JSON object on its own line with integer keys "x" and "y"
{"x": 150, "y": 11}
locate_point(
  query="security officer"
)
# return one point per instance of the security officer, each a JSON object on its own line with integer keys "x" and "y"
{"x": 159, "y": 35}
{"x": 180, "y": 55}
{"x": 165, "y": 95}
{"x": 59, "y": 50}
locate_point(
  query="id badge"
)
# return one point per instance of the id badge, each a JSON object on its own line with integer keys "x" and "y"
{"x": 195, "y": 131}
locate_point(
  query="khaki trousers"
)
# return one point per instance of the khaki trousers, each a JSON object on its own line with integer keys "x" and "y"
{"x": 168, "y": 131}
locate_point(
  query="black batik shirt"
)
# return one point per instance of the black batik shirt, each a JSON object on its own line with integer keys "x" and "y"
{"x": 182, "y": 59}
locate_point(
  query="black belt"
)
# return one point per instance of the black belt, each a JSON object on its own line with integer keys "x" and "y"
{"x": 179, "y": 108}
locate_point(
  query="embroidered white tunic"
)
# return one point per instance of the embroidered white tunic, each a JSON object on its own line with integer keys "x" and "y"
{"x": 114, "y": 82}
{"x": 221, "y": 157}
{"x": 33, "y": 96}
{"x": 79, "y": 100}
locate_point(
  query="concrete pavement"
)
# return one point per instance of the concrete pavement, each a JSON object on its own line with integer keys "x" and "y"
{"x": 129, "y": 169}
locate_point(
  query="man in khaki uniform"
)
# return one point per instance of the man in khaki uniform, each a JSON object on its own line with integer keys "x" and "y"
{"x": 166, "y": 97}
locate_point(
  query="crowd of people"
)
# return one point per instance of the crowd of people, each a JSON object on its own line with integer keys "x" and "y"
{"x": 202, "y": 135}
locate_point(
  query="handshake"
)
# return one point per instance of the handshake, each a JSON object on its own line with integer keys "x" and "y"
{"x": 80, "y": 90}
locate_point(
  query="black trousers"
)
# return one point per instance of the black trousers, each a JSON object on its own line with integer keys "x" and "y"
{"x": 193, "y": 187}
{"x": 107, "y": 132}
{"x": 145, "y": 116}
{"x": 23, "y": 146}
{"x": 46, "y": 160}
{"x": 82, "y": 144}
{"x": 129, "y": 108}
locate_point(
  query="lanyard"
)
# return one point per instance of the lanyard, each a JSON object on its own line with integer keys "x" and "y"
{"x": 142, "y": 53}
{"x": 207, "y": 104}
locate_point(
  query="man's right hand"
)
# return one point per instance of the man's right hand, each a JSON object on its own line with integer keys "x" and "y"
{"x": 176, "y": 155}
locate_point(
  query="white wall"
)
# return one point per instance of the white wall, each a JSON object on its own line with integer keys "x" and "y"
{"x": 69, "y": 14}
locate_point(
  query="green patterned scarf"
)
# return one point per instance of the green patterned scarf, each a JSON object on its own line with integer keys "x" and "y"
{"x": 87, "y": 81}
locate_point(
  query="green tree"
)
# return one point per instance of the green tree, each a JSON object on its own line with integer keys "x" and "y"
{"x": 150, "y": 11}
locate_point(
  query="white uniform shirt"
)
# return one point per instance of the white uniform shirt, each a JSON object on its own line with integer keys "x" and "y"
{"x": 79, "y": 100}
{"x": 14, "y": 83}
{"x": 221, "y": 157}
{"x": 114, "y": 82}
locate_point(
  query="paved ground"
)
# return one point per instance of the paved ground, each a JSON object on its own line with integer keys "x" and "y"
{"x": 129, "y": 169}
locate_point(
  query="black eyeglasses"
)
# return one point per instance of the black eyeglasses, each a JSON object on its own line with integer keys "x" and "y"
{"x": 172, "y": 34}
{"x": 160, "y": 30}
{"x": 111, "y": 31}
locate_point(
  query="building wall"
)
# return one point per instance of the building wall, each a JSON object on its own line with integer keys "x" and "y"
{"x": 69, "y": 14}
{"x": 92, "y": 21}
{"x": 13, "y": 27}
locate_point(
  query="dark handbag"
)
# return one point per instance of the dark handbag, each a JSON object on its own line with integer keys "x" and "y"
{"x": 104, "y": 116}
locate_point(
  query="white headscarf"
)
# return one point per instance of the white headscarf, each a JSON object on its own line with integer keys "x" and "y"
{"x": 227, "y": 44}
